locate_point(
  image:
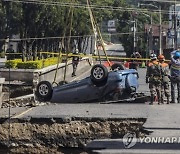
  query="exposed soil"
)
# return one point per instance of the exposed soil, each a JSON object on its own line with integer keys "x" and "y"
{"x": 40, "y": 136}
{"x": 17, "y": 90}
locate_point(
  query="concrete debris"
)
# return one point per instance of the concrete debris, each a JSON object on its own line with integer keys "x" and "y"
{"x": 22, "y": 102}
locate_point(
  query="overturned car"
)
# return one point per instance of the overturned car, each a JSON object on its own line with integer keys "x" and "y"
{"x": 101, "y": 85}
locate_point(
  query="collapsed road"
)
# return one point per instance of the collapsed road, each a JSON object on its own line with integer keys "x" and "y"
{"x": 54, "y": 134}
{"x": 56, "y": 128}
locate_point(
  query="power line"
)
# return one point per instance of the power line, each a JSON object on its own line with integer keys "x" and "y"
{"x": 46, "y": 38}
{"x": 163, "y": 1}
{"x": 78, "y": 5}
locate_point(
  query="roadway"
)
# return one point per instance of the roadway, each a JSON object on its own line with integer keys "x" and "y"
{"x": 154, "y": 113}
{"x": 162, "y": 120}
{"x": 114, "y": 50}
{"x": 158, "y": 116}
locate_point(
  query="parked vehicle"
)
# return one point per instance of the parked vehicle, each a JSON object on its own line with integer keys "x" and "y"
{"x": 101, "y": 85}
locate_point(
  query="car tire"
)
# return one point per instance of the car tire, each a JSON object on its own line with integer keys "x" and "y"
{"x": 44, "y": 91}
{"x": 117, "y": 66}
{"x": 99, "y": 73}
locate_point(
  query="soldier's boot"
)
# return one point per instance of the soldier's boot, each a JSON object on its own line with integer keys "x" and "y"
{"x": 173, "y": 100}
{"x": 151, "y": 100}
{"x": 160, "y": 101}
{"x": 168, "y": 100}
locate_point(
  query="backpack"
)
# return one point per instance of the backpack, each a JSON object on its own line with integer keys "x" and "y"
{"x": 156, "y": 73}
{"x": 156, "y": 70}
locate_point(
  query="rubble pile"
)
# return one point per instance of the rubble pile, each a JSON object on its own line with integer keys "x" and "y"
{"x": 19, "y": 102}
{"x": 17, "y": 96}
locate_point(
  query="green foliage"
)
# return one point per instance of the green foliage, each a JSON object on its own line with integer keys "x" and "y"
{"x": 12, "y": 63}
{"x": 29, "y": 65}
{"x": 49, "y": 61}
{"x": 38, "y": 64}
{"x": 2, "y": 54}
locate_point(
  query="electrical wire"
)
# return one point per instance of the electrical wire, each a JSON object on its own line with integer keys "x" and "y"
{"x": 78, "y": 36}
{"x": 163, "y": 1}
{"x": 78, "y": 5}
{"x": 82, "y": 6}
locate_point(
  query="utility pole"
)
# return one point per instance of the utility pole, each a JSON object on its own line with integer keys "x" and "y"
{"x": 160, "y": 26}
{"x": 149, "y": 33}
{"x": 160, "y": 31}
{"x": 151, "y": 37}
{"x": 175, "y": 27}
{"x": 134, "y": 32}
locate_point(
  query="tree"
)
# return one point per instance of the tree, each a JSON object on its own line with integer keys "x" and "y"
{"x": 32, "y": 20}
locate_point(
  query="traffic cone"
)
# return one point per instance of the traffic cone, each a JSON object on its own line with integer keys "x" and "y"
{"x": 143, "y": 65}
{"x": 126, "y": 64}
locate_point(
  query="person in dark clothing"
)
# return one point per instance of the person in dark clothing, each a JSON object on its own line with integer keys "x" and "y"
{"x": 134, "y": 63}
{"x": 175, "y": 75}
{"x": 10, "y": 50}
{"x": 75, "y": 62}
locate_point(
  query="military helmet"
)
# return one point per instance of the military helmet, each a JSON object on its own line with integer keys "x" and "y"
{"x": 76, "y": 51}
{"x": 153, "y": 56}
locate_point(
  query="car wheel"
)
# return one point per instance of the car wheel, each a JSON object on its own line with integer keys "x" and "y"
{"x": 99, "y": 73}
{"x": 44, "y": 91}
{"x": 117, "y": 66}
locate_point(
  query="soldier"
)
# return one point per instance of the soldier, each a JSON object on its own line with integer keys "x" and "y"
{"x": 75, "y": 62}
{"x": 154, "y": 77}
{"x": 10, "y": 50}
{"x": 134, "y": 63}
{"x": 175, "y": 75}
{"x": 165, "y": 79}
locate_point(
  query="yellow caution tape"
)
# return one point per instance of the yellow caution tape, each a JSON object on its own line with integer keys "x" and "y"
{"x": 91, "y": 56}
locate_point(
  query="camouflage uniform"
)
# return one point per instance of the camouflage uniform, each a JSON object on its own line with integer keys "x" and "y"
{"x": 75, "y": 62}
{"x": 154, "y": 77}
{"x": 165, "y": 81}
